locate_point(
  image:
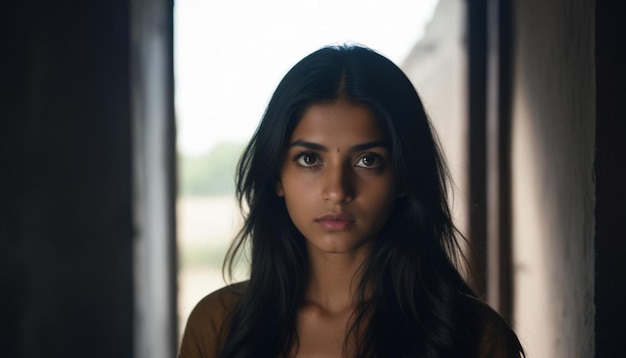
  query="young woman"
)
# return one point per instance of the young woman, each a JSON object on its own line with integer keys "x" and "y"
{"x": 353, "y": 251}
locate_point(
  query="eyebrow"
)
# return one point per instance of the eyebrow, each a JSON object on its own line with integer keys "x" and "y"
{"x": 355, "y": 148}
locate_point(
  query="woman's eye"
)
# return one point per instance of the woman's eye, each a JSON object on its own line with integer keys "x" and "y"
{"x": 369, "y": 160}
{"x": 307, "y": 159}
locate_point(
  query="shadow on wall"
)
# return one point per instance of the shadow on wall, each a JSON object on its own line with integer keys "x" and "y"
{"x": 553, "y": 189}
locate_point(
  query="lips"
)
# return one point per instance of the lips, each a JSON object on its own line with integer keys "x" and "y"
{"x": 336, "y": 222}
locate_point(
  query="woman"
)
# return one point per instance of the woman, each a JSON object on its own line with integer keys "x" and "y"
{"x": 353, "y": 251}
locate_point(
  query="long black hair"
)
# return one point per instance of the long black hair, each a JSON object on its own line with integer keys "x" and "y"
{"x": 414, "y": 290}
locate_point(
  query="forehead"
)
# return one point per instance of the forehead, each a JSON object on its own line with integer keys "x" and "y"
{"x": 339, "y": 120}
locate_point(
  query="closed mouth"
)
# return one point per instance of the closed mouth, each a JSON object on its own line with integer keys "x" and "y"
{"x": 336, "y": 217}
{"x": 336, "y": 222}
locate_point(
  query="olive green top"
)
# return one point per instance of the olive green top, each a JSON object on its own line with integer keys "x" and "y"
{"x": 207, "y": 327}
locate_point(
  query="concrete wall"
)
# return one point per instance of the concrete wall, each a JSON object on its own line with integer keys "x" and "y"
{"x": 437, "y": 68}
{"x": 553, "y": 188}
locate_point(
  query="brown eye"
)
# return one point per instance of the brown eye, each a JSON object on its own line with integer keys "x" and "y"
{"x": 369, "y": 160}
{"x": 307, "y": 159}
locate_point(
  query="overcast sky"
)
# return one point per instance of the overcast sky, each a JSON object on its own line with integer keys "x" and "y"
{"x": 230, "y": 55}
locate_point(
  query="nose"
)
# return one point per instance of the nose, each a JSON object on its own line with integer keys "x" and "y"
{"x": 338, "y": 185}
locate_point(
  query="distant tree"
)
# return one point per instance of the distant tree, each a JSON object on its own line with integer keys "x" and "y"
{"x": 210, "y": 174}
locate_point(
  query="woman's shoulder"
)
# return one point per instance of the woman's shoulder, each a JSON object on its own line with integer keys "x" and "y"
{"x": 492, "y": 335}
{"x": 219, "y": 302}
{"x": 207, "y": 324}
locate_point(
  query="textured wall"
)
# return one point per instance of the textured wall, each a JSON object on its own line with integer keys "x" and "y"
{"x": 437, "y": 68}
{"x": 553, "y": 189}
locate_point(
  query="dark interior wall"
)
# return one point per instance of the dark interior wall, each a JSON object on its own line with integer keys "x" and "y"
{"x": 65, "y": 187}
{"x": 553, "y": 134}
{"x": 610, "y": 170}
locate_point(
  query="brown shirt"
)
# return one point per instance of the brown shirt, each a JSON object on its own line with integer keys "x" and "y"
{"x": 207, "y": 327}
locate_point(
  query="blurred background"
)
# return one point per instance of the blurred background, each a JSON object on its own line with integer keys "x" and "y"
{"x": 121, "y": 122}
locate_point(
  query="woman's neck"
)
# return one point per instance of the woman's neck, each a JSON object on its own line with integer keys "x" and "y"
{"x": 329, "y": 303}
{"x": 334, "y": 280}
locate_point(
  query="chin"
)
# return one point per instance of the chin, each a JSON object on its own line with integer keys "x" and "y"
{"x": 337, "y": 245}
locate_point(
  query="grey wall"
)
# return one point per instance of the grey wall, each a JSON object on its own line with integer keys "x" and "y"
{"x": 553, "y": 189}
{"x": 437, "y": 68}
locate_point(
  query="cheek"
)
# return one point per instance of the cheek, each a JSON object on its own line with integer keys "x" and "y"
{"x": 385, "y": 205}
{"x": 296, "y": 186}
{"x": 299, "y": 212}
{"x": 298, "y": 198}
{"x": 383, "y": 198}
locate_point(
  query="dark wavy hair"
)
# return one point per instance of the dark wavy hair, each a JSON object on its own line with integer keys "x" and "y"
{"x": 412, "y": 306}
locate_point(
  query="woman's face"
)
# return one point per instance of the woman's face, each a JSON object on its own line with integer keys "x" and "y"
{"x": 337, "y": 179}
